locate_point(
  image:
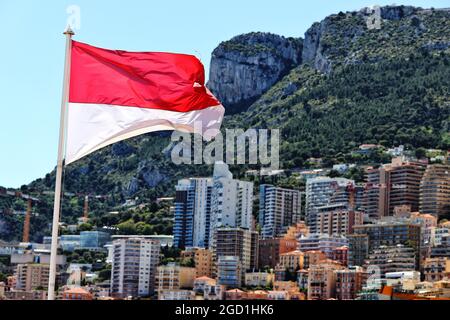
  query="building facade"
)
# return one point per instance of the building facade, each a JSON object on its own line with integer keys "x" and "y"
{"x": 336, "y": 219}
{"x": 231, "y": 201}
{"x": 174, "y": 277}
{"x": 322, "y": 281}
{"x": 201, "y": 258}
{"x": 292, "y": 261}
{"x": 388, "y": 259}
{"x": 279, "y": 208}
{"x": 322, "y": 242}
{"x": 386, "y": 232}
{"x": 436, "y": 269}
{"x": 349, "y": 283}
{"x": 259, "y": 279}
{"x": 229, "y": 271}
{"x": 192, "y": 212}
{"x": 324, "y": 191}
{"x": 203, "y": 205}
{"x": 270, "y": 250}
{"x": 134, "y": 267}
{"x": 203, "y": 262}
{"x": 435, "y": 190}
{"x": 392, "y": 185}
{"x": 236, "y": 242}
{"x": 31, "y": 276}
{"x": 94, "y": 239}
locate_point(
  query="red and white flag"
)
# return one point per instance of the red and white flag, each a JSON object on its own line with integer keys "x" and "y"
{"x": 115, "y": 95}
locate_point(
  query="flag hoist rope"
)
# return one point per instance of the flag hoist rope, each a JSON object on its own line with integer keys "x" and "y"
{"x": 60, "y": 166}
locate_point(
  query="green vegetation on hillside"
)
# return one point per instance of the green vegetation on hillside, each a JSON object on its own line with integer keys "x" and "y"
{"x": 387, "y": 87}
{"x": 398, "y": 101}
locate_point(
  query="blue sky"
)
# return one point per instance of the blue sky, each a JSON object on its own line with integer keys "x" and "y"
{"x": 32, "y": 54}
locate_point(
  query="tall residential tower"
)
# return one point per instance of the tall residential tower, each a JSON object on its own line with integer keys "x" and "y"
{"x": 279, "y": 208}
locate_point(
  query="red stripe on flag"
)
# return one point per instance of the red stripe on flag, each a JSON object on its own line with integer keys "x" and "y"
{"x": 155, "y": 80}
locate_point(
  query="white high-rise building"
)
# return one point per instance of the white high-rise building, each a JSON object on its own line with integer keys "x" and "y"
{"x": 231, "y": 200}
{"x": 134, "y": 267}
{"x": 204, "y": 204}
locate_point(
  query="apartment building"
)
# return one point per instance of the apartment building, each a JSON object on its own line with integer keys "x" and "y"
{"x": 386, "y": 232}
{"x": 203, "y": 205}
{"x": 201, "y": 282}
{"x": 427, "y": 223}
{"x": 313, "y": 257}
{"x": 348, "y": 283}
{"x": 231, "y": 201}
{"x": 229, "y": 271}
{"x": 391, "y": 185}
{"x": 279, "y": 208}
{"x": 322, "y": 281}
{"x": 340, "y": 254}
{"x": 134, "y": 267}
{"x": 179, "y": 295}
{"x": 236, "y": 242}
{"x": 259, "y": 279}
{"x": 31, "y": 276}
{"x": 335, "y": 219}
{"x": 270, "y": 250}
{"x": 192, "y": 212}
{"x": 296, "y": 230}
{"x": 77, "y": 294}
{"x": 202, "y": 259}
{"x": 214, "y": 292}
{"x": 439, "y": 233}
{"x": 435, "y": 190}
{"x": 322, "y": 242}
{"x": 389, "y": 259}
{"x": 172, "y": 277}
{"x": 324, "y": 191}
{"x": 436, "y": 269}
{"x": 291, "y": 261}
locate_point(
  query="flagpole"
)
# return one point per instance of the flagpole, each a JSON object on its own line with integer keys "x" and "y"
{"x": 60, "y": 166}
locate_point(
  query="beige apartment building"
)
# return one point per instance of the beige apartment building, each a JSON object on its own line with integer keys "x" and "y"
{"x": 174, "y": 277}
{"x": 202, "y": 259}
{"x": 31, "y": 276}
{"x": 338, "y": 221}
{"x": 259, "y": 279}
{"x": 203, "y": 262}
{"x": 391, "y": 185}
{"x": 322, "y": 281}
{"x": 313, "y": 257}
{"x": 436, "y": 269}
{"x": 435, "y": 190}
{"x": 291, "y": 260}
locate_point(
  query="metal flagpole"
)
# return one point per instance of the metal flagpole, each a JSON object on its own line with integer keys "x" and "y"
{"x": 60, "y": 166}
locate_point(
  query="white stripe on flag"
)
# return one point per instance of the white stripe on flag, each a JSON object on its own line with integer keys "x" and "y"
{"x": 94, "y": 126}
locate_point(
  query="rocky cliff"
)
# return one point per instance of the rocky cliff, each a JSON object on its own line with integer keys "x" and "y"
{"x": 245, "y": 67}
{"x": 333, "y": 39}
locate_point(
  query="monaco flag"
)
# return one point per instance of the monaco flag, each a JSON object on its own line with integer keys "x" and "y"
{"x": 115, "y": 95}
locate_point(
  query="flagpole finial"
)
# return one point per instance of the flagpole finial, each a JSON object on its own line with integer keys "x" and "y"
{"x": 69, "y": 31}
